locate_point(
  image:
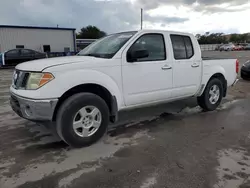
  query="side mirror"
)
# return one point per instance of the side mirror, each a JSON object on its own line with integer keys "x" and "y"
{"x": 132, "y": 56}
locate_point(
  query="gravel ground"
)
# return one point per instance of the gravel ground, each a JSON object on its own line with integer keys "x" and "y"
{"x": 171, "y": 145}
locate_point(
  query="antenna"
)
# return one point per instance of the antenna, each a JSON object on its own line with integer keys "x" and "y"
{"x": 141, "y": 18}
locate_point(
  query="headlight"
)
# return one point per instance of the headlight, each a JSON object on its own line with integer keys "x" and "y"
{"x": 37, "y": 80}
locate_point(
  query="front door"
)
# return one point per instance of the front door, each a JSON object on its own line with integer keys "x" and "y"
{"x": 149, "y": 79}
{"x": 186, "y": 66}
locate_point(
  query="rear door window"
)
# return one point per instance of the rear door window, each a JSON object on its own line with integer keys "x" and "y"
{"x": 25, "y": 52}
{"x": 189, "y": 47}
{"x": 178, "y": 47}
{"x": 182, "y": 46}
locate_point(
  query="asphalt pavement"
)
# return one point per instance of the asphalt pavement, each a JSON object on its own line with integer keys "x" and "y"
{"x": 170, "y": 145}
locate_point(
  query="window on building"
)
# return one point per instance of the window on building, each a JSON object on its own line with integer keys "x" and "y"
{"x": 46, "y": 48}
{"x": 154, "y": 44}
{"x": 182, "y": 47}
{"x": 19, "y": 46}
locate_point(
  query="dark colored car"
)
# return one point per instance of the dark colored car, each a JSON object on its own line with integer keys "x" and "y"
{"x": 245, "y": 71}
{"x": 16, "y": 56}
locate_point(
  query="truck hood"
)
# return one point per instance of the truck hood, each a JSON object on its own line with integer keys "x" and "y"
{"x": 41, "y": 64}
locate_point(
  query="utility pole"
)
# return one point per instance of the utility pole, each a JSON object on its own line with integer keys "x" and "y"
{"x": 141, "y": 18}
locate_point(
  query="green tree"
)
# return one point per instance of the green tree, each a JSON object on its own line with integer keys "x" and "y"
{"x": 90, "y": 32}
{"x": 234, "y": 38}
{"x": 213, "y": 38}
{"x": 244, "y": 37}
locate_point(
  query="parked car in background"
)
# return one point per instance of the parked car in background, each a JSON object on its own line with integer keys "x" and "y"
{"x": 238, "y": 48}
{"x": 245, "y": 71}
{"x": 81, "y": 94}
{"x": 227, "y": 47}
{"x": 16, "y": 56}
{"x": 247, "y": 47}
{"x": 217, "y": 48}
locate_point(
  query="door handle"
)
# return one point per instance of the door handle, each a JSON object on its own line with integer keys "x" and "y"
{"x": 166, "y": 67}
{"x": 195, "y": 65}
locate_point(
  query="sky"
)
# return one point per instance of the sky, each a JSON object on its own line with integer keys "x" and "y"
{"x": 194, "y": 16}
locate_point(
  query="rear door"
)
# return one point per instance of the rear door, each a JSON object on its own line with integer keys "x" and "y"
{"x": 27, "y": 55}
{"x": 186, "y": 66}
{"x": 148, "y": 79}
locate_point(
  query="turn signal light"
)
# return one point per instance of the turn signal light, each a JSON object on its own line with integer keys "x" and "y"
{"x": 45, "y": 79}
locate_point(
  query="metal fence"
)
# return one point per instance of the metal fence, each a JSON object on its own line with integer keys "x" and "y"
{"x": 209, "y": 47}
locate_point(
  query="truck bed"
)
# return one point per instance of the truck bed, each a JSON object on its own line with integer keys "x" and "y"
{"x": 225, "y": 66}
{"x": 213, "y": 58}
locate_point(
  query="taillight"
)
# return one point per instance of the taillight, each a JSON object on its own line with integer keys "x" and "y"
{"x": 237, "y": 66}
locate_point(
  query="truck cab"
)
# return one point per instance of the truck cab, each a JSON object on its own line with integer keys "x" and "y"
{"x": 83, "y": 93}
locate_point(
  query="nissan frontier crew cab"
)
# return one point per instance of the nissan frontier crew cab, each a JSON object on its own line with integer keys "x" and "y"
{"x": 81, "y": 94}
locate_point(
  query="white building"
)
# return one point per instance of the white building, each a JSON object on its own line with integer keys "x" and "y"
{"x": 43, "y": 39}
{"x": 83, "y": 43}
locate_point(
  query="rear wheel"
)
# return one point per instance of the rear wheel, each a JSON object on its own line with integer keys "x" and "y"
{"x": 82, "y": 119}
{"x": 212, "y": 96}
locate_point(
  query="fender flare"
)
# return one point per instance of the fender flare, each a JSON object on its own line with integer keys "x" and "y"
{"x": 216, "y": 70}
{"x": 84, "y": 76}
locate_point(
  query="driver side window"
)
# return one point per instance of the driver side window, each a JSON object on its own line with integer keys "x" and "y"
{"x": 154, "y": 44}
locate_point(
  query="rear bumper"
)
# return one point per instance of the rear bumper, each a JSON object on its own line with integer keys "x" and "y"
{"x": 245, "y": 74}
{"x": 33, "y": 109}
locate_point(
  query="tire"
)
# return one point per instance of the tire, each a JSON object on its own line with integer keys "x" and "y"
{"x": 245, "y": 78}
{"x": 203, "y": 100}
{"x": 69, "y": 111}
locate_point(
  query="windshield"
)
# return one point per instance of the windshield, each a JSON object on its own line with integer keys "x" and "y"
{"x": 108, "y": 46}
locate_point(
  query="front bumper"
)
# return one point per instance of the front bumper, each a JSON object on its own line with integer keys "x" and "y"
{"x": 33, "y": 109}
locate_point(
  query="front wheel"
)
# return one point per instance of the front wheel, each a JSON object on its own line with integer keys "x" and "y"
{"x": 82, "y": 119}
{"x": 212, "y": 96}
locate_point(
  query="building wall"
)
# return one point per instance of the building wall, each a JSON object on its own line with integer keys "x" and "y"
{"x": 83, "y": 43}
{"x": 36, "y": 38}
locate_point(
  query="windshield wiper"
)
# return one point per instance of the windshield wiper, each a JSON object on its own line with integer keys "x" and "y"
{"x": 98, "y": 55}
{"x": 92, "y": 55}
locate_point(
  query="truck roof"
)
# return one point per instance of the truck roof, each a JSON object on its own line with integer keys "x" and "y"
{"x": 165, "y": 31}
{"x": 156, "y": 31}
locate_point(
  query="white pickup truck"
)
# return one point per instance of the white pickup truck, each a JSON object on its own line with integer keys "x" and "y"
{"x": 83, "y": 93}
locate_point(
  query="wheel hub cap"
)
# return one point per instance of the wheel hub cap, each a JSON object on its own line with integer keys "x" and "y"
{"x": 87, "y": 121}
{"x": 214, "y": 94}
